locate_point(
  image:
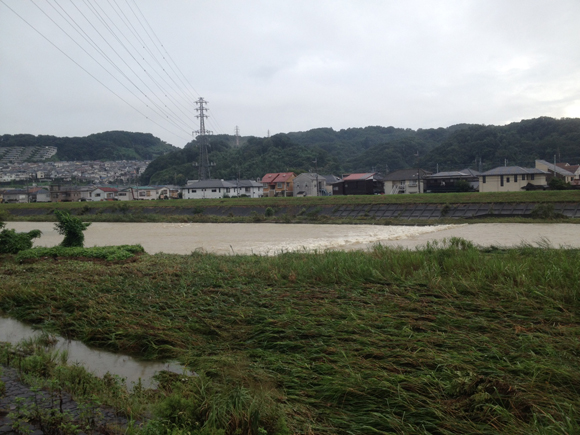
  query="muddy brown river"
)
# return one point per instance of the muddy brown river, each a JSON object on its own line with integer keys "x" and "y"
{"x": 272, "y": 239}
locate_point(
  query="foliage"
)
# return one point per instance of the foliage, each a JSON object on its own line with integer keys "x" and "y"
{"x": 520, "y": 143}
{"x": 108, "y": 253}
{"x": 269, "y": 212}
{"x": 111, "y": 145}
{"x": 546, "y": 211}
{"x": 12, "y": 242}
{"x": 376, "y": 149}
{"x": 71, "y": 228}
{"x": 558, "y": 184}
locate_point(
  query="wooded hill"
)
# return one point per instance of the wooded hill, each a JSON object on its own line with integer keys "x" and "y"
{"x": 377, "y": 149}
{"x": 110, "y": 145}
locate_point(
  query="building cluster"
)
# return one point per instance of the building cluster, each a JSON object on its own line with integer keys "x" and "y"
{"x": 11, "y": 155}
{"x": 96, "y": 172}
{"x": 288, "y": 184}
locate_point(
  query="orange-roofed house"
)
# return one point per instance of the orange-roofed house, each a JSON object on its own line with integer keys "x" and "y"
{"x": 279, "y": 184}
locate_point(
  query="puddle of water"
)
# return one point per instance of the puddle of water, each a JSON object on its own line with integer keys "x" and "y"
{"x": 96, "y": 361}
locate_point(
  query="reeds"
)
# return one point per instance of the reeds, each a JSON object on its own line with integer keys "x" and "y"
{"x": 447, "y": 339}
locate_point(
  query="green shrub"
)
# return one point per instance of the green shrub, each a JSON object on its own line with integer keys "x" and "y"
{"x": 12, "y": 242}
{"x": 269, "y": 212}
{"x": 546, "y": 211}
{"x": 72, "y": 228}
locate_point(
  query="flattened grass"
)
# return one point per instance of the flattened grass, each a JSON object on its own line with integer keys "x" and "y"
{"x": 447, "y": 340}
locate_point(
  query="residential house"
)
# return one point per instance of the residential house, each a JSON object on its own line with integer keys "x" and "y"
{"x": 279, "y": 184}
{"x": 42, "y": 195}
{"x": 306, "y": 185}
{"x": 207, "y": 189}
{"x": 330, "y": 180}
{"x": 149, "y": 192}
{"x": 359, "y": 184}
{"x": 466, "y": 180}
{"x": 512, "y": 179}
{"x": 60, "y": 193}
{"x": 125, "y": 194}
{"x": 249, "y": 188}
{"x": 405, "y": 181}
{"x": 575, "y": 169}
{"x": 16, "y": 195}
{"x": 104, "y": 194}
{"x": 562, "y": 172}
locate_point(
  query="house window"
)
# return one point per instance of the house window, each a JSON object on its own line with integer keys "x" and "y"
{"x": 98, "y": 195}
{"x": 484, "y": 179}
{"x": 507, "y": 180}
{"x": 501, "y": 180}
{"x": 523, "y": 177}
{"x": 194, "y": 190}
{"x": 515, "y": 178}
{"x": 247, "y": 189}
{"x": 279, "y": 185}
{"x": 214, "y": 190}
{"x": 532, "y": 176}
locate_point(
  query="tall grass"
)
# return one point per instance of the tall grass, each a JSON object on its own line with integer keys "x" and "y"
{"x": 447, "y": 339}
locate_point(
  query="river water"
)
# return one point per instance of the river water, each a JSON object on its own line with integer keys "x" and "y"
{"x": 271, "y": 239}
{"x": 97, "y": 362}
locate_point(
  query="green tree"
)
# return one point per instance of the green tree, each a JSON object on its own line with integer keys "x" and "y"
{"x": 72, "y": 228}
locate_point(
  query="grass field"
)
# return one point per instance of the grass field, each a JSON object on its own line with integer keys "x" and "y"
{"x": 426, "y": 198}
{"x": 446, "y": 340}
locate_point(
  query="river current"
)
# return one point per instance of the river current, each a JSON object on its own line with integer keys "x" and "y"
{"x": 272, "y": 239}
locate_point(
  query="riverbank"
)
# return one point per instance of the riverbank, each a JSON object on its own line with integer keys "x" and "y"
{"x": 449, "y": 339}
{"x": 381, "y": 209}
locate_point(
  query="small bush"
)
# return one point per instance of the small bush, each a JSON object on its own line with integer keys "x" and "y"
{"x": 12, "y": 242}
{"x": 546, "y": 211}
{"x": 269, "y": 212}
{"x": 71, "y": 228}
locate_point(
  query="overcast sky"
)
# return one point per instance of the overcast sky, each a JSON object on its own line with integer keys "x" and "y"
{"x": 282, "y": 66}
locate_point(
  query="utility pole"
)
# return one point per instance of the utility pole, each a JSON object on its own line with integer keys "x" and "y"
{"x": 316, "y": 163}
{"x": 237, "y": 136}
{"x": 202, "y": 139}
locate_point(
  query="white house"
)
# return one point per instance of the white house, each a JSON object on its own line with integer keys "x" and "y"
{"x": 207, "y": 189}
{"x": 405, "y": 181}
{"x": 250, "y": 188}
{"x": 125, "y": 194}
{"x": 511, "y": 179}
{"x": 149, "y": 192}
{"x": 103, "y": 194}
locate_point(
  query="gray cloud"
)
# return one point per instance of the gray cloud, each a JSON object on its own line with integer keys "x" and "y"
{"x": 288, "y": 66}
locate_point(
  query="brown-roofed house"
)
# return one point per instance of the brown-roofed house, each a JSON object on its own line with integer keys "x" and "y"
{"x": 278, "y": 184}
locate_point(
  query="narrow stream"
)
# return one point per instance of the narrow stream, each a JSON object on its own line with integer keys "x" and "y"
{"x": 97, "y": 362}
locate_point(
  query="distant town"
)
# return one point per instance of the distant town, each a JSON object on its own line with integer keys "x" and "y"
{"x": 119, "y": 181}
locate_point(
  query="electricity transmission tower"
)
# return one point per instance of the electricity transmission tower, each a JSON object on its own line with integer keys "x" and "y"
{"x": 202, "y": 133}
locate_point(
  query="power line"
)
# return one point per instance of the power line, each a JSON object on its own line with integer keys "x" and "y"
{"x": 85, "y": 70}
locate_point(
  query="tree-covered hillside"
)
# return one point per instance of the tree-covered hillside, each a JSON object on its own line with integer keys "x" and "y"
{"x": 110, "y": 145}
{"x": 377, "y": 149}
{"x": 518, "y": 143}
